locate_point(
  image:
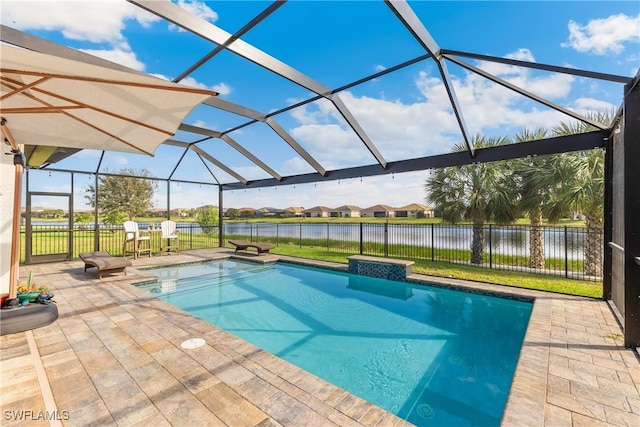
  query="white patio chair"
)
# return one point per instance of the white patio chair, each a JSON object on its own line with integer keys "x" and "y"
{"x": 170, "y": 238}
{"x": 136, "y": 238}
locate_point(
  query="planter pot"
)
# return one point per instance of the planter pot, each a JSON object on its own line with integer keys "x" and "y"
{"x": 28, "y": 296}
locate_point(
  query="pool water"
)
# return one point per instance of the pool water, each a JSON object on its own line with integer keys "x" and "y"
{"x": 431, "y": 355}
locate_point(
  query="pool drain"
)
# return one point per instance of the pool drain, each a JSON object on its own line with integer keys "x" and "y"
{"x": 425, "y": 411}
{"x": 192, "y": 343}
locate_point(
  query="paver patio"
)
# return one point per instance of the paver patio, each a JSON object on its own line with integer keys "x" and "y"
{"x": 114, "y": 358}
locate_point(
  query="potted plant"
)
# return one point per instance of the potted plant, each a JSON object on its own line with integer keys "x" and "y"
{"x": 29, "y": 292}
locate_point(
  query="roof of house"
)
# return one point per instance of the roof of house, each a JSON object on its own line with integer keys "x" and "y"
{"x": 415, "y": 207}
{"x": 347, "y": 208}
{"x": 380, "y": 208}
{"x": 318, "y": 208}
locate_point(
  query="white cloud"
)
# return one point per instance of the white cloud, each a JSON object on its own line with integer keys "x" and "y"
{"x": 295, "y": 166}
{"x": 120, "y": 160}
{"x": 100, "y": 22}
{"x": 222, "y": 88}
{"x": 585, "y": 105}
{"x": 96, "y": 21}
{"x": 199, "y": 9}
{"x": 119, "y": 56}
{"x": 604, "y": 36}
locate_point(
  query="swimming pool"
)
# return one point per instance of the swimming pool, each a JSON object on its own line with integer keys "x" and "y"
{"x": 428, "y": 354}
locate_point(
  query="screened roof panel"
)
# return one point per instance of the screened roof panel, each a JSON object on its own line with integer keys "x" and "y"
{"x": 190, "y": 168}
{"x": 248, "y": 84}
{"x": 160, "y": 165}
{"x": 325, "y": 134}
{"x": 264, "y": 143}
{"x": 296, "y": 42}
{"x": 406, "y": 113}
{"x": 168, "y": 58}
{"x": 211, "y": 118}
{"x": 82, "y": 161}
{"x": 219, "y": 149}
{"x": 202, "y": 195}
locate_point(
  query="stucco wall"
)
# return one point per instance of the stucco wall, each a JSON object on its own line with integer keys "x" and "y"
{"x": 7, "y": 171}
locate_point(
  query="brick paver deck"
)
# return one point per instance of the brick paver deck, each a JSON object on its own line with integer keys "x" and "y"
{"x": 114, "y": 358}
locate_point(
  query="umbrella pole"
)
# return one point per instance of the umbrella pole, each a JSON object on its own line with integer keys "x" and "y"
{"x": 18, "y": 161}
{"x": 15, "y": 240}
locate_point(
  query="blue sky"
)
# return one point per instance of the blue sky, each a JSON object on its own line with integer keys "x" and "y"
{"x": 405, "y": 113}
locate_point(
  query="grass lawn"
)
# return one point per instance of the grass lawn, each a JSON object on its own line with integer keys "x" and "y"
{"x": 467, "y": 272}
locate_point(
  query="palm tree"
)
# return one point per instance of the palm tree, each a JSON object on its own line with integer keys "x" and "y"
{"x": 584, "y": 191}
{"x": 539, "y": 180}
{"x": 476, "y": 192}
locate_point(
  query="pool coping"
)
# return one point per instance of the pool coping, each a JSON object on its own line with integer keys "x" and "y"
{"x": 573, "y": 367}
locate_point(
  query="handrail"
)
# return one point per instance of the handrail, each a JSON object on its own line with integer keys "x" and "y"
{"x": 615, "y": 246}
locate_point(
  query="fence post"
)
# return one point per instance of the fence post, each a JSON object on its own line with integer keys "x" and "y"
{"x": 361, "y": 241}
{"x": 386, "y": 239}
{"x": 327, "y": 237}
{"x": 300, "y": 236}
{"x": 432, "y": 243}
{"x": 566, "y": 253}
{"x": 490, "y": 248}
{"x": 277, "y": 234}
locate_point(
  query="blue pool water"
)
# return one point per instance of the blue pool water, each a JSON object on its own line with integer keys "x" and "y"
{"x": 431, "y": 355}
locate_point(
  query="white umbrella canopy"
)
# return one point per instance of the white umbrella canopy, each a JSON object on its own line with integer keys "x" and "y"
{"x": 47, "y": 100}
{"x": 54, "y": 101}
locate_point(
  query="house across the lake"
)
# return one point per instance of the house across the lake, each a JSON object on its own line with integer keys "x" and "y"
{"x": 346, "y": 211}
{"x": 378, "y": 211}
{"x": 415, "y": 210}
{"x": 317, "y": 212}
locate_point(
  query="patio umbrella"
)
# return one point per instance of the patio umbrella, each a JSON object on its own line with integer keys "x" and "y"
{"x": 47, "y": 100}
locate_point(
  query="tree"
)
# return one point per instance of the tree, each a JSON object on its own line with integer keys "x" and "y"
{"x": 476, "y": 192}
{"x": 584, "y": 191}
{"x": 82, "y": 218}
{"x": 232, "y": 213}
{"x": 52, "y": 213}
{"x": 127, "y": 191}
{"x": 114, "y": 218}
{"x": 208, "y": 220}
{"x": 539, "y": 181}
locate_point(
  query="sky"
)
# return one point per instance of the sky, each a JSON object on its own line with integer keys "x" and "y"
{"x": 405, "y": 113}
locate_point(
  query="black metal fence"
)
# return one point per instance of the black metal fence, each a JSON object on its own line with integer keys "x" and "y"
{"x": 572, "y": 252}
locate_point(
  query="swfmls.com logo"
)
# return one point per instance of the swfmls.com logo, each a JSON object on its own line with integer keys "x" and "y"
{"x": 36, "y": 415}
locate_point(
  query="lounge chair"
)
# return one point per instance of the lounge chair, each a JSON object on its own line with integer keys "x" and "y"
{"x": 241, "y": 245}
{"x": 141, "y": 242}
{"x": 104, "y": 262}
